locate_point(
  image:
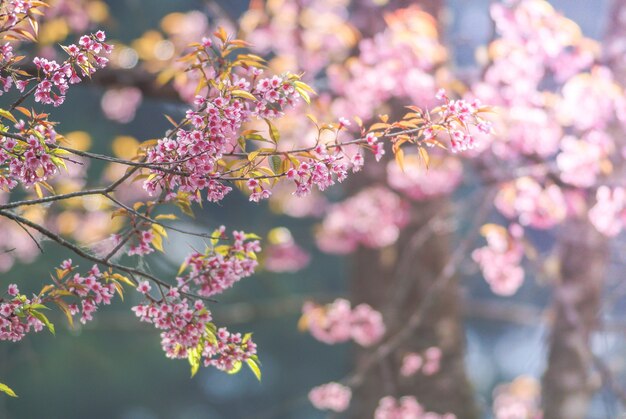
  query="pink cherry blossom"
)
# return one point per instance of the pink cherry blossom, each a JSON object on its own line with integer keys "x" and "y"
{"x": 418, "y": 182}
{"x": 330, "y": 396}
{"x": 338, "y": 322}
{"x": 609, "y": 212}
{"x": 533, "y": 204}
{"x": 500, "y": 260}
{"x": 371, "y": 218}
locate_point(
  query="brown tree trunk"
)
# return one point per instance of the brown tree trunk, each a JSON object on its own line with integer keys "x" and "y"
{"x": 568, "y": 383}
{"x": 615, "y": 40}
{"x": 396, "y": 280}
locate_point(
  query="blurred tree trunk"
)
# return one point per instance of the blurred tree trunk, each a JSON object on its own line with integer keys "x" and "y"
{"x": 396, "y": 280}
{"x": 615, "y": 40}
{"x": 568, "y": 383}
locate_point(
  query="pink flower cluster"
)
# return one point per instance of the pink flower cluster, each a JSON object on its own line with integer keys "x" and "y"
{"x": 458, "y": 116}
{"x": 220, "y": 267}
{"x": 257, "y": 191}
{"x": 188, "y": 161}
{"x": 418, "y": 182}
{"x": 90, "y": 54}
{"x": 143, "y": 245}
{"x": 331, "y": 396}
{"x": 283, "y": 254}
{"x": 373, "y": 218}
{"x": 19, "y": 315}
{"x": 338, "y": 322}
{"x": 545, "y": 36}
{"x": 90, "y": 289}
{"x": 406, "y": 407}
{"x": 274, "y": 94}
{"x": 608, "y": 215}
{"x": 538, "y": 47}
{"x": 396, "y": 63}
{"x": 321, "y": 171}
{"x": 6, "y": 55}
{"x": 535, "y": 205}
{"x": 580, "y": 161}
{"x": 12, "y": 10}
{"x": 187, "y": 328}
{"x": 16, "y": 320}
{"x": 28, "y": 162}
{"x": 500, "y": 260}
{"x": 591, "y": 100}
{"x": 520, "y": 398}
{"x": 429, "y": 362}
{"x": 120, "y": 105}
{"x": 322, "y": 42}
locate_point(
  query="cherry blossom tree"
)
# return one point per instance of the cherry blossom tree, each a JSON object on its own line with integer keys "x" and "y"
{"x": 549, "y": 167}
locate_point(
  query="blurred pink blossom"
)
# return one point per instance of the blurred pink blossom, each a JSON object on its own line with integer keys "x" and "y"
{"x": 338, "y": 322}
{"x": 500, "y": 260}
{"x": 373, "y": 218}
{"x": 331, "y": 396}
{"x": 418, "y": 182}
{"x": 533, "y": 204}
{"x": 120, "y": 105}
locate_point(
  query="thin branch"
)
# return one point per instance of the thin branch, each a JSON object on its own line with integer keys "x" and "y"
{"x": 30, "y": 235}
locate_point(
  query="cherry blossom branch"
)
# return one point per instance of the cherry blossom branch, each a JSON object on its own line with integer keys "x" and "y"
{"x": 153, "y": 221}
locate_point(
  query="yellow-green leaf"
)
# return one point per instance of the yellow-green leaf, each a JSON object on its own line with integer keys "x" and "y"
{"x": 242, "y": 94}
{"x": 254, "y": 368}
{"x": 42, "y": 317}
{"x": 157, "y": 242}
{"x": 274, "y": 134}
{"x": 6, "y": 114}
{"x": 424, "y": 155}
{"x": 400, "y": 158}
{"x": 7, "y": 390}
{"x": 236, "y": 367}
{"x": 166, "y": 217}
{"x": 159, "y": 229}
{"x": 122, "y": 278}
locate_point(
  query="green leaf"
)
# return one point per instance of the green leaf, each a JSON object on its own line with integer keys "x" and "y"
{"x": 222, "y": 249}
{"x": 38, "y": 307}
{"x": 276, "y": 163}
{"x": 6, "y": 114}
{"x": 255, "y": 368}
{"x": 194, "y": 360}
{"x": 236, "y": 368}
{"x": 42, "y": 317}
{"x": 58, "y": 162}
{"x": 6, "y": 389}
{"x": 304, "y": 95}
{"x": 302, "y": 85}
{"x": 274, "y": 134}
{"x": 157, "y": 242}
{"x": 166, "y": 217}
{"x": 243, "y": 94}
